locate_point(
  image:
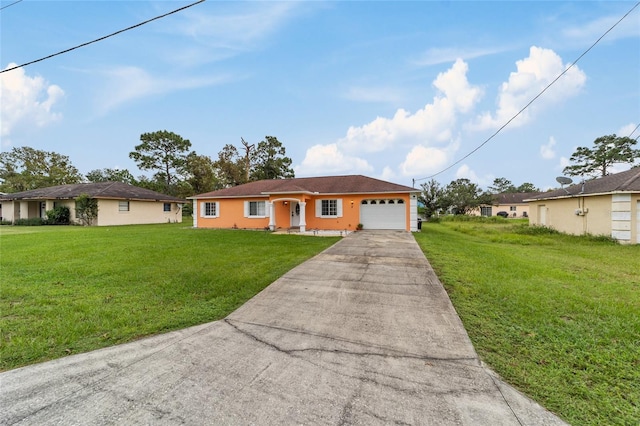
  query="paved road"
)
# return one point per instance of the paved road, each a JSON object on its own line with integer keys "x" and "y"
{"x": 362, "y": 334}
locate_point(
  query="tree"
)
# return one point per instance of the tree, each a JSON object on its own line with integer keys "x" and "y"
{"x": 431, "y": 197}
{"x": 86, "y": 209}
{"x": 25, "y": 168}
{"x": 527, "y": 187}
{"x": 164, "y": 152}
{"x": 201, "y": 174}
{"x": 111, "y": 175}
{"x": 230, "y": 168}
{"x": 607, "y": 151}
{"x": 270, "y": 161}
{"x": 461, "y": 196}
{"x": 501, "y": 185}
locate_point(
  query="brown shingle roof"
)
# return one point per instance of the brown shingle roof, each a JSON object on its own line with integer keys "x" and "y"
{"x": 111, "y": 190}
{"x": 513, "y": 197}
{"x": 628, "y": 181}
{"x": 351, "y": 184}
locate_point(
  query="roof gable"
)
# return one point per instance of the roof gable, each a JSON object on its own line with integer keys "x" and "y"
{"x": 110, "y": 190}
{"x": 350, "y": 184}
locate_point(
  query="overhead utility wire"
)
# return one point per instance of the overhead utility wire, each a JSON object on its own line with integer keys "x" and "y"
{"x": 15, "y": 2}
{"x": 531, "y": 101}
{"x": 105, "y": 37}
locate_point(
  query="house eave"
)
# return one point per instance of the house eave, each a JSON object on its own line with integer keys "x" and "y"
{"x": 568, "y": 196}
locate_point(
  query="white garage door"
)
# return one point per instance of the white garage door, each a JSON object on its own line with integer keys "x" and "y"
{"x": 383, "y": 214}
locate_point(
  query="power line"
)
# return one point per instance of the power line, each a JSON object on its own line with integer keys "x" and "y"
{"x": 532, "y": 100}
{"x": 103, "y": 38}
{"x": 15, "y": 2}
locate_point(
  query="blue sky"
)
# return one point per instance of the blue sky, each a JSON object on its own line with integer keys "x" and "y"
{"x": 392, "y": 90}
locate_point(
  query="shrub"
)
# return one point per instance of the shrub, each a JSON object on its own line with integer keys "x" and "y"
{"x": 58, "y": 216}
{"x": 34, "y": 221}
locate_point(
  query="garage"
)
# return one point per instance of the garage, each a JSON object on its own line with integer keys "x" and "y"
{"x": 383, "y": 214}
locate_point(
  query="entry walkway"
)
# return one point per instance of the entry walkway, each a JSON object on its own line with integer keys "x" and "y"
{"x": 362, "y": 334}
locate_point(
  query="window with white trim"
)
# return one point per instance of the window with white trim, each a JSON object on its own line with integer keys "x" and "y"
{"x": 123, "y": 206}
{"x": 329, "y": 207}
{"x": 210, "y": 209}
{"x": 513, "y": 208}
{"x": 257, "y": 208}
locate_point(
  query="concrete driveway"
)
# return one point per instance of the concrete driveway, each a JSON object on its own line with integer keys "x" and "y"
{"x": 363, "y": 333}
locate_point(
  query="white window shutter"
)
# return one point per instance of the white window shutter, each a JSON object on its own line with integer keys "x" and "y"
{"x": 318, "y": 208}
{"x": 339, "y": 207}
{"x": 267, "y": 209}
{"x": 246, "y": 209}
{"x": 202, "y": 209}
{"x": 217, "y": 209}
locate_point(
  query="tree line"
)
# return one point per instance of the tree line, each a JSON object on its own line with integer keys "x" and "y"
{"x": 176, "y": 169}
{"x": 461, "y": 196}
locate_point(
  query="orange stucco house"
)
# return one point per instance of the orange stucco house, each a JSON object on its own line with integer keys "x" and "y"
{"x": 316, "y": 203}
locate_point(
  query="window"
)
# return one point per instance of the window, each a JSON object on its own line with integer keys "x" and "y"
{"x": 383, "y": 202}
{"x": 257, "y": 208}
{"x": 123, "y": 206}
{"x": 513, "y": 208}
{"x": 365, "y": 202}
{"x": 374, "y": 202}
{"x": 391, "y": 202}
{"x": 167, "y": 207}
{"x": 400, "y": 201}
{"x": 485, "y": 211}
{"x": 210, "y": 209}
{"x": 329, "y": 207}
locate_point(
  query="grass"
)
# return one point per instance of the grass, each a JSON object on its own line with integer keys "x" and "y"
{"x": 66, "y": 290}
{"x": 557, "y": 316}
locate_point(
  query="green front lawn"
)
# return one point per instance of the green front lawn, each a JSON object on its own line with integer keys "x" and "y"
{"x": 69, "y": 289}
{"x": 556, "y": 316}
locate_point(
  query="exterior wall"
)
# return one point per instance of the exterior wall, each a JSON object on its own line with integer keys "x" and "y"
{"x": 612, "y": 215}
{"x": 520, "y": 210}
{"x": 231, "y": 212}
{"x": 140, "y": 212}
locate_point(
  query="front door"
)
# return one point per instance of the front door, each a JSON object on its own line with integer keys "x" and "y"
{"x": 43, "y": 209}
{"x": 295, "y": 214}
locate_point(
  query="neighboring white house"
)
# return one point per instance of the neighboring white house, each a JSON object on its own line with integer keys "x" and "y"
{"x": 609, "y": 205}
{"x": 118, "y": 203}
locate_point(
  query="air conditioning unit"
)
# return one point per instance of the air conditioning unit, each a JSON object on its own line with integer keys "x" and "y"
{"x": 579, "y": 212}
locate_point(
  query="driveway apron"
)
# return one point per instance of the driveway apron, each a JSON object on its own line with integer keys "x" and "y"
{"x": 361, "y": 334}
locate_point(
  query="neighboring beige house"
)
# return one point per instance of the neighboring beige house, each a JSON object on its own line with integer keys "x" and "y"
{"x": 608, "y": 205}
{"x": 118, "y": 203}
{"x": 327, "y": 203}
{"x": 511, "y": 203}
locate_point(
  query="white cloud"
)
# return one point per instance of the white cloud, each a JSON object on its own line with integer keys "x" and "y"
{"x": 590, "y": 31}
{"x": 26, "y": 101}
{"x": 388, "y": 174}
{"x": 327, "y": 159}
{"x": 427, "y": 133}
{"x": 627, "y": 129}
{"x": 126, "y": 84}
{"x": 533, "y": 74}
{"x": 435, "y": 56}
{"x": 546, "y": 151}
{"x": 432, "y": 123}
{"x": 423, "y": 160}
{"x": 564, "y": 162}
{"x": 465, "y": 172}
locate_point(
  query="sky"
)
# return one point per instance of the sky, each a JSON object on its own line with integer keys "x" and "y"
{"x": 401, "y": 91}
